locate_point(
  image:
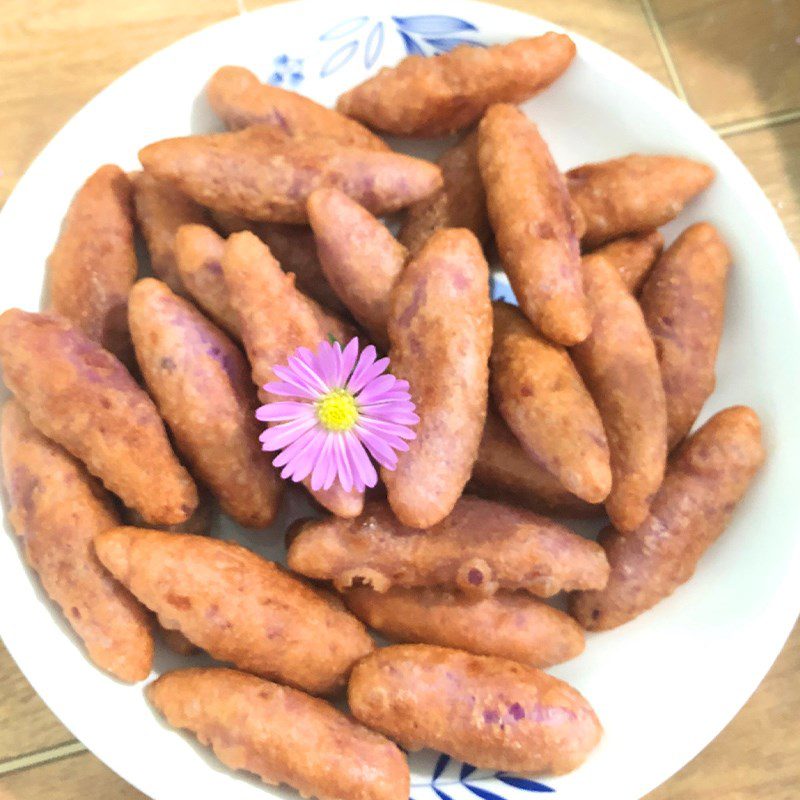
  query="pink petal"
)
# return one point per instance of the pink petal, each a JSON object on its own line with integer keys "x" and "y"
{"x": 294, "y": 379}
{"x": 343, "y": 468}
{"x": 376, "y": 388}
{"x": 278, "y": 412}
{"x": 363, "y": 371}
{"x": 349, "y": 356}
{"x": 279, "y": 436}
{"x": 294, "y": 449}
{"x": 381, "y": 427}
{"x": 363, "y": 469}
{"x": 325, "y": 468}
{"x": 377, "y": 447}
{"x": 283, "y": 389}
{"x": 326, "y": 364}
{"x": 307, "y": 372}
{"x": 306, "y": 459}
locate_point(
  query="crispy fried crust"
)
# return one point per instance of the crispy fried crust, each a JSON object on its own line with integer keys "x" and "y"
{"x": 160, "y": 211}
{"x": 80, "y": 396}
{"x": 436, "y": 96}
{"x": 619, "y": 367}
{"x": 479, "y": 548}
{"x": 199, "y": 522}
{"x": 503, "y": 471}
{"x": 508, "y": 625}
{"x": 634, "y": 193}
{"x": 275, "y": 320}
{"x": 198, "y": 253}
{"x": 683, "y": 303}
{"x": 706, "y": 478}
{"x": 544, "y": 402}
{"x": 57, "y": 509}
{"x": 361, "y": 260}
{"x": 460, "y": 203}
{"x": 240, "y": 100}
{"x": 440, "y": 331}
{"x": 533, "y": 223}
{"x": 517, "y": 719}
{"x": 93, "y": 265}
{"x": 237, "y": 606}
{"x": 201, "y": 384}
{"x": 282, "y": 735}
{"x": 257, "y": 175}
{"x": 633, "y": 257}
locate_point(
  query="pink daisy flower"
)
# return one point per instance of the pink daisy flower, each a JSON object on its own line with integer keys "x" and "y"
{"x": 340, "y": 407}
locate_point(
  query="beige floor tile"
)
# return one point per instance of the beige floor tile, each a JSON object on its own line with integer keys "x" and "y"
{"x": 26, "y": 724}
{"x": 773, "y": 156}
{"x": 80, "y": 777}
{"x": 55, "y": 56}
{"x": 617, "y": 24}
{"x": 736, "y": 58}
{"x": 757, "y": 757}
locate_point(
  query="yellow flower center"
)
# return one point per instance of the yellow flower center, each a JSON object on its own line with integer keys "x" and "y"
{"x": 337, "y": 411}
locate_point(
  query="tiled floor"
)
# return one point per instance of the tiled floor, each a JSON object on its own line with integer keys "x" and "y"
{"x": 737, "y": 62}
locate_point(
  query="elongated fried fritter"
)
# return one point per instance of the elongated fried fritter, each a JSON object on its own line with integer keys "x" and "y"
{"x": 479, "y": 548}
{"x": 510, "y": 625}
{"x": 440, "y": 330}
{"x": 683, "y": 303}
{"x": 436, "y": 96}
{"x": 93, "y": 265}
{"x": 282, "y": 735}
{"x": 542, "y": 398}
{"x": 633, "y": 257}
{"x": 705, "y": 480}
{"x": 201, "y": 384}
{"x": 618, "y": 364}
{"x": 57, "y": 509}
{"x": 361, "y": 260}
{"x": 634, "y": 194}
{"x": 275, "y": 320}
{"x": 81, "y": 397}
{"x": 237, "y": 606}
{"x": 533, "y": 222}
{"x": 259, "y": 176}
{"x": 517, "y": 718}
{"x": 240, "y": 100}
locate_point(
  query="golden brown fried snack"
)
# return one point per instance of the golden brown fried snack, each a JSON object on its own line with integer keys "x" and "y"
{"x": 683, "y": 302}
{"x": 619, "y": 367}
{"x": 93, "y": 265}
{"x": 518, "y": 719}
{"x": 255, "y": 175}
{"x": 160, "y": 211}
{"x": 361, "y": 260}
{"x": 545, "y": 404}
{"x": 440, "y": 331}
{"x": 237, "y": 606}
{"x": 634, "y": 193}
{"x": 82, "y": 398}
{"x": 503, "y": 471}
{"x": 436, "y": 96}
{"x": 275, "y": 319}
{"x": 633, "y": 257}
{"x": 508, "y": 625}
{"x": 57, "y": 509}
{"x": 532, "y": 220}
{"x": 282, "y": 735}
{"x": 481, "y": 547}
{"x": 705, "y": 480}
{"x": 177, "y": 642}
{"x": 198, "y": 253}
{"x": 201, "y": 384}
{"x": 199, "y": 522}
{"x": 240, "y": 100}
{"x": 460, "y": 203}
{"x": 296, "y": 250}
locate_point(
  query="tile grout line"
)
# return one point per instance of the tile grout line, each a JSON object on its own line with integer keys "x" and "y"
{"x": 40, "y": 757}
{"x": 666, "y": 56}
{"x": 758, "y": 123}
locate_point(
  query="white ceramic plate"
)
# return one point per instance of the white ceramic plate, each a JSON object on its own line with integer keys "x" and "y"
{"x": 663, "y": 685}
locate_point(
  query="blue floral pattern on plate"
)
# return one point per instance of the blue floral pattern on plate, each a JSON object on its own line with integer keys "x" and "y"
{"x": 424, "y": 34}
{"x": 288, "y": 71}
